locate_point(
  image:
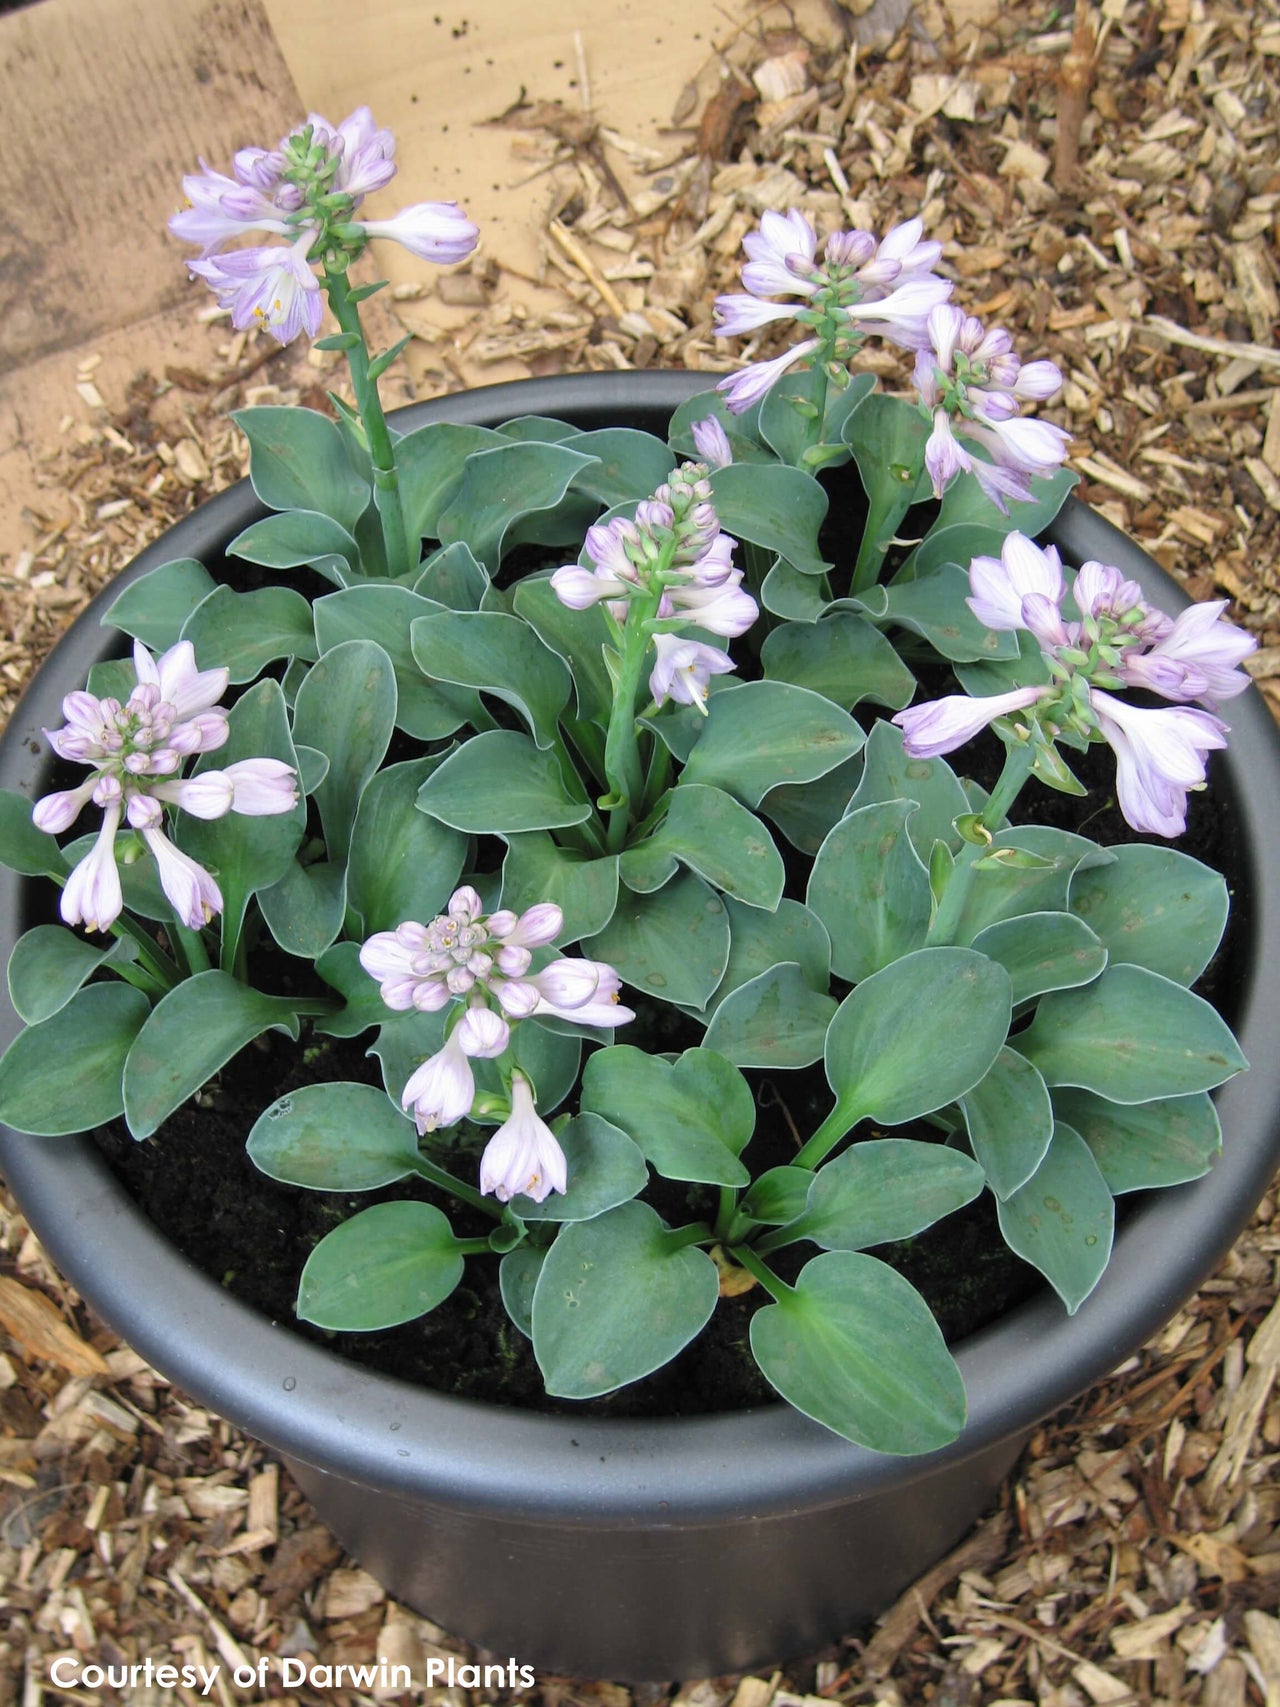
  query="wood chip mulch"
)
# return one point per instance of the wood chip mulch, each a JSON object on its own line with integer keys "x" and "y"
{"x": 1108, "y": 186}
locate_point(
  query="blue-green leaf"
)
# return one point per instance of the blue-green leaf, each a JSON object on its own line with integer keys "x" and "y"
{"x": 403, "y": 864}
{"x": 248, "y": 631}
{"x": 917, "y": 1035}
{"x": 844, "y": 657}
{"x": 710, "y": 832}
{"x": 773, "y": 1020}
{"x": 64, "y": 1075}
{"x": 500, "y": 783}
{"x": 604, "y": 1169}
{"x": 1043, "y": 951}
{"x": 885, "y": 1189}
{"x": 871, "y": 890}
{"x": 298, "y": 461}
{"x": 334, "y": 1137}
{"x": 453, "y": 578}
{"x": 761, "y": 734}
{"x": 347, "y": 709}
{"x": 1131, "y": 1036}
{"x": 23, "y": 848}
{"x": 1010, "y": 1121}
{"x": 1062, "y": 1220}
{"x": 935, "y": 607}
{"x": 49, "y": 964}
{"x": 585, "y": 890}
{"x": 496, "y": 653}
{"x": 1148, "y": 1144}
{"x": 386, "y": 615}
{"x": 429, "y": 463}
{"x": 1154, "y": 907}
{"x": 384, "y": 1266}
{"x": 187, "y": 1037}
{"x": 501, "y": 486}
{"x": 155, "y": 606}
{"x": 890, "y": 774}
{"x": 854, "y": 1347}
{"x": 632, "y": 465}
{"x": 779, "y": 508}
{"x": 673, "y": 944}
{"x": 305, "y": 909}
{"x": 616, "y": 1299}
{"x": 759, "y": 940}
{"x": 691, "y": 1117}
{"x": 294, "y": 538}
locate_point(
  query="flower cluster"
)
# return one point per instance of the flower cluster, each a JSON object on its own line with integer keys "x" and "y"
{"x": 973, "y": 376}
{"x": 306, "y": 191}
{"x": 483, "y": 961}
{"x": 674, "y": 567}
{"x": 136, "y": 750}
{"x": 860, "y": 286}
{"x": 1118, "y": 640}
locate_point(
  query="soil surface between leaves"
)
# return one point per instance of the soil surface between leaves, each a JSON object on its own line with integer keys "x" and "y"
{"x": 1135, "y": 1556}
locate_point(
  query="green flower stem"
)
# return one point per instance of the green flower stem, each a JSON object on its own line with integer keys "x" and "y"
{"x": 884, "y": 517}
{"x": 157, "y": 964}
{"x": 659, "y": 778}
{"x": 727, "y": 1214}
{"x": 776, "y": 1288}
{"x": 1019, "y": 761}
{"x": 472, "y": 1247}
{"x": 464, "y": 1193}
{"x": 696, "y": 1233}
{"x": 622, "y": 766}
{"x": 386, "y": 481}
{"x": 192, "y": 947}
{"x": 828, "y": 1135}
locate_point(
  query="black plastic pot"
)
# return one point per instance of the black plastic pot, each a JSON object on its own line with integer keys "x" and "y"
{"x": 643, "y": 1550}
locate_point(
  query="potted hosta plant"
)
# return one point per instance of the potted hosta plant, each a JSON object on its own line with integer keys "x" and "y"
{"x": 509, "y": 779}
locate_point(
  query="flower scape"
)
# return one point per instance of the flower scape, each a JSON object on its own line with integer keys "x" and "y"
{"x": 530, "y": 755}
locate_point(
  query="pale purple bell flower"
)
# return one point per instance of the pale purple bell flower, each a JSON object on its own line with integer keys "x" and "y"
{"x": 1160, "y": 757}
{"x": 433, "y": 231}
{"x": 523, "y": 1158}
{"x": 1196, "y": 659}
{"x": 941, "y": 725}
{"x": 684, "y": 669}
{"x": 712, "y": 443}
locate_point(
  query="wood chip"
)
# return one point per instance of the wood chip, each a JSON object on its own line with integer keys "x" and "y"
{"x": 36, "y": 1325}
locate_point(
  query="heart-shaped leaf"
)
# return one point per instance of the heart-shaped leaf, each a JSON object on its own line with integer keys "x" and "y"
{"x": 917, "y": 1035}
{"x": 631, "y": 464}
{"x": 305, "y": 909}
{"x": 604, "y": 1168}
{"x": 298, "y": 461}
{"x": 537, "y": 869}
{"x": 806, "y": 813}
{"x": 384, "y": 1266}
{"x": 673, "y": 944}
{"x": 451, "y": 577}
{"x": 616, "y": 1299}
{"x": 501, "y": 486}
{"x": 773, "y": 1020}
{"x": 1005, "y": 885}
{"x": 854, "y": 1347}
{"x": 760, "y": 940}
{"x": 347, "y": 709}
{"x": 885, "y": 1189}
{"x": 484, "y": 649}
{"x": 517, "y": 1278}
{"x": 187, "y": 1037}
{"x": 294, "y": 538}
{"x": 429, "y": 463}
{"x": 50, "y": 963}
{"x": 499, "y": 783}
{"x": 1043, "y": 951}
{"x": 577, "y": 636}
{"x": 23, "y": 848}
{"x": 714, "y": 835}
{"x": 779, "y": 508}
{"x": 935, "y": 607}
{"x": 778, "y": 1196}
{"x": 403, "y": 864}
{"x": 386, "y": 614}
{"x": 155, "y": 606}
{"x": 888, "y": 773}
{"x": 691, "y": 1118}
{"x": 760, "y": 734}
{"x": 844, "y": 657}
{"x": 248, "y": 631}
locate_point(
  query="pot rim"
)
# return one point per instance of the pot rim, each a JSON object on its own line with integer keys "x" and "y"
{"x": 460, "y": 1454}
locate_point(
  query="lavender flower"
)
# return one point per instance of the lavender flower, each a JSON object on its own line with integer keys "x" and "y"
{"x": 1120, "y": 640}
{"x": 860, "y": 286}
{"x": 684, "y": 669}
{"x": 712, "y": 443}
{"x": 522, "y": 1159}
{"x": 135, "y": 752}
{"x": 483, "y": 961}
{"x": 970, "y": 375}
{"x": 307, "y": 191}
